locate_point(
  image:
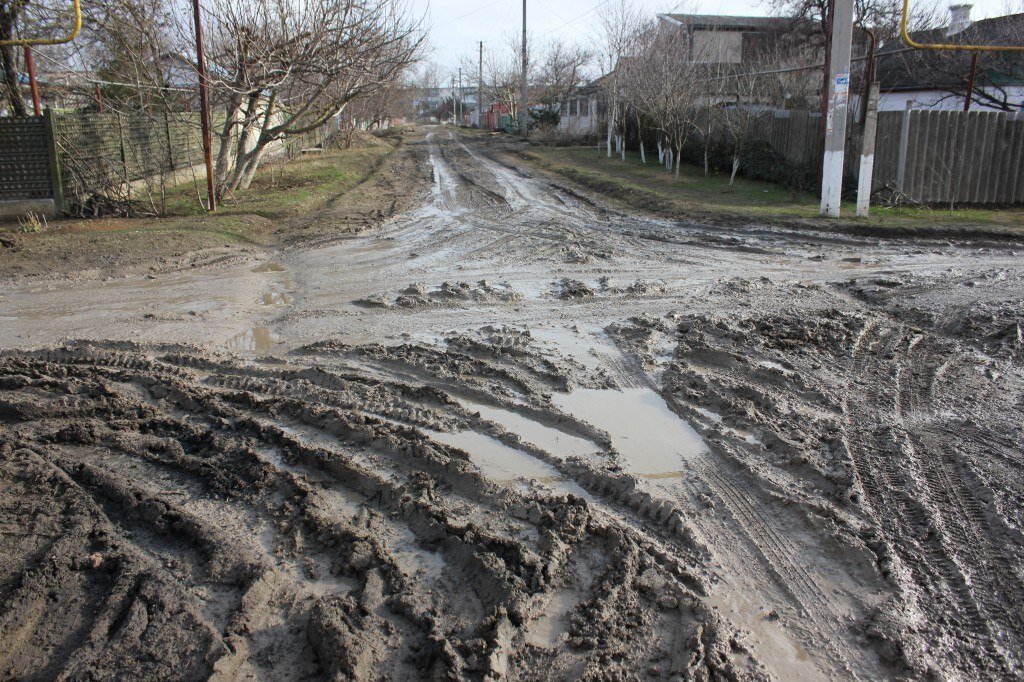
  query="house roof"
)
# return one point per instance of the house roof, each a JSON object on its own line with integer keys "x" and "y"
{"x": 726, "y": 22}
{"x": 899, "y": 69}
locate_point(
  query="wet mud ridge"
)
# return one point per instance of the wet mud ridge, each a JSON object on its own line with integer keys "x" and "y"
{"x": 517, "y": 433}
{"x": 170, "y": 513}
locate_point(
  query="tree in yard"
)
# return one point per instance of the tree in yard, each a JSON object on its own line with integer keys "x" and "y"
{"x": 618, "y": 35}
{"x": 503, "y": 72}
{"x": 663, "y": 85}
{"x": 281, "y": 69}
{"x": 10, "y": 13}
{"x": 562, "y": 69}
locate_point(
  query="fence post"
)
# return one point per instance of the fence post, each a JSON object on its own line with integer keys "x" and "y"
{"x": 51, "y": 148}
{"x": 124, "y": 157}
{"x": 901, "y": 165}
{"x": 867, "y": 153}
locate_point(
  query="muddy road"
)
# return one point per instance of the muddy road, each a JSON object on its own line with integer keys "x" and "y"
{"x": 516, "y": 432}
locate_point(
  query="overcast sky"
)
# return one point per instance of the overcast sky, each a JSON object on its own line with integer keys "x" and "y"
{"x": 457, "y": 25}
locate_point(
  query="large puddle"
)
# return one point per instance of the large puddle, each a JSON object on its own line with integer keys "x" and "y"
{"x": 652, "y": 440}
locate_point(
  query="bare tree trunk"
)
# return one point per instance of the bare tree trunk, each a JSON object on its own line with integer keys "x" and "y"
{"x": 679, "y": 158}
{"x": 640, "y": 137}
{"x": 11, "y": 85}
{"x": 735, "y": 167}
{"x": 227, "y": 131}
{"x": 661, "y": 150}
{"x": 250, "y": 167}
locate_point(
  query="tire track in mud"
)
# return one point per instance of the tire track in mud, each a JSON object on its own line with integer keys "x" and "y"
{"x": 180, "y": 440}
{"x": 814, "y": 620}
{"x": 931, "y": 523}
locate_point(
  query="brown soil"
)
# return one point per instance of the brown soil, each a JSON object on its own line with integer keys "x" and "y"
{"x": 517, "y": 432}
{"x": 120, "y": 247}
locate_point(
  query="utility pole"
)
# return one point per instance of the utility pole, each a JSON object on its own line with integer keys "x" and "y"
{"x": 30, "y": 66}
{"x": 830, "y": 12}
{"x": 835, "y": 119}
{"x": 480, "y": 90}
{"x": 459, "y": 122}
{"x": 867, "y": 153}
{"x": 204, "y": 109}
{"x": 522, "y": 94}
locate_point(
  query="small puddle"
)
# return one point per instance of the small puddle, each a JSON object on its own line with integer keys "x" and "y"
{"x": 783, "y": 656}
{"x": 553, "y": 623}
{"x": 652, "y": 440}
{"x": 505, "y": 465}
{"x": 256, "y": 340}
{"x": 276, "y": 298}
{"x": 547, "y": 438}
{"x": 718, "y": 419}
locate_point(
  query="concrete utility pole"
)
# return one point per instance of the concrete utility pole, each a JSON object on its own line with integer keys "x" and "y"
{"x": 867, "y": 153}
{"x": 480, "y": 90}
{"x": 839, "y": 95}
{"x": 523, "y": 116}
{"x": 458, "y": 122}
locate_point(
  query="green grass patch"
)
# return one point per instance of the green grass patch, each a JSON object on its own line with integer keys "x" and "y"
{"x": 694, "y": 196}
{"x": 283, "y": 189}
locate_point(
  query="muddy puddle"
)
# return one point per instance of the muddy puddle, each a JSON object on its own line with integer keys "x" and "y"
{"x": 255, "y": 340}
{"x": 506, "y": 465}
{"x": 547, "y": 438}
{"x": 652, "y": 441}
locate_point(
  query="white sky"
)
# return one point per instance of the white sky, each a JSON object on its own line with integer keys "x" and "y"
{"x": 457, "y": 25}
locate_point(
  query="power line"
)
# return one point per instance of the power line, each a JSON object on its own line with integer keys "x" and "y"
{"x": 469, "y": 13}
{"x": 576, "y": 18}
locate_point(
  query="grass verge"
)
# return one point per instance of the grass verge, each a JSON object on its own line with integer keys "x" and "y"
{"x": 693, "y": 197}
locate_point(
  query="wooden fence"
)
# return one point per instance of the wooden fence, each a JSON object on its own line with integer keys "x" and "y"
{"x": 929, "y": 156}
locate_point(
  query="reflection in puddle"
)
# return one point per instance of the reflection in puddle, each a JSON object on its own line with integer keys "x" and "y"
{"x": 548, "y": 438}
{"x": 257, "y": 339}
{"x": 276, "y": 298}
{"x": 652, "y": 440}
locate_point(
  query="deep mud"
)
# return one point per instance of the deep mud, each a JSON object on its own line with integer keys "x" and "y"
{"x": 519, "y": 433}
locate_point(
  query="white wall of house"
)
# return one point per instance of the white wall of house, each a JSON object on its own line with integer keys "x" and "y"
{"x": 579, "y": 118}
{"x": 935, "y": 99}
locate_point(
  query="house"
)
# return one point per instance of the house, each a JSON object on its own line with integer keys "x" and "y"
{"x": 731, "y": 41}
{"x": 723, "y": 39}
{"x": 937, "y": 79}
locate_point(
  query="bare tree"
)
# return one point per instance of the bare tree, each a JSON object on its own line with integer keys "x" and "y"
{"x": 10, "y": 13}
{"x": 948, "y": 70}
{"x": 664, "y": 86}
{"x": 503, "y": 72}
{"x": 283, "y": 69}
{"x": 561, "y": 70}
{"x": 619, "y": 32}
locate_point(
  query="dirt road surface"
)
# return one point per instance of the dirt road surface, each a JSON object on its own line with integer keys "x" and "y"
{"x": 518, "y": 433}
